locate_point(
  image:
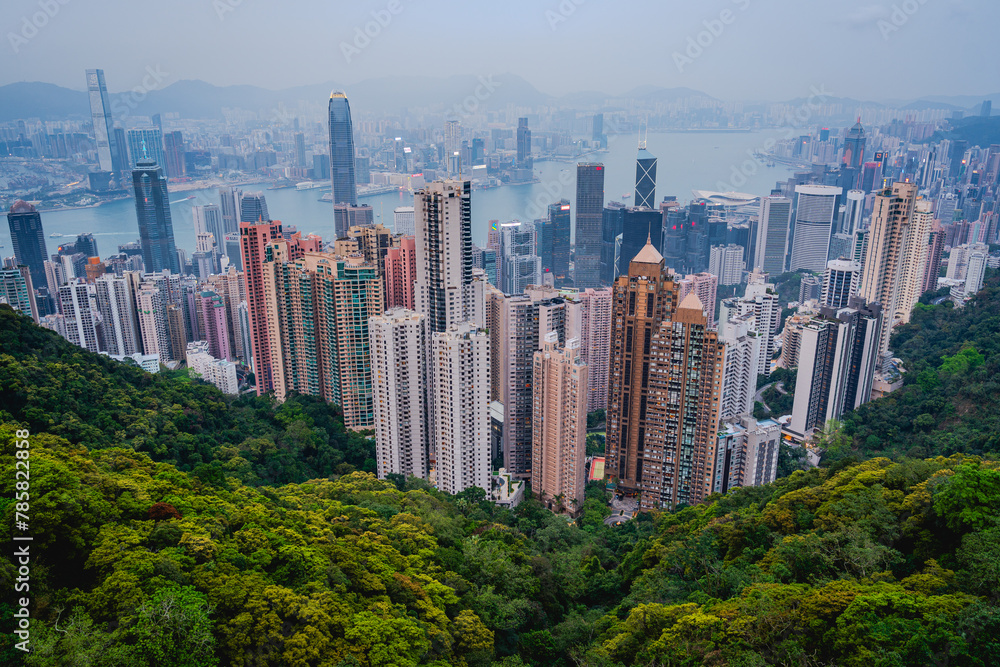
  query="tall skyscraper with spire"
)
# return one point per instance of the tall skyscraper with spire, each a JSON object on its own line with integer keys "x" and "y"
{"x": 342, "y": 150}
{"x": 854, "y": 147}
{"x": 152, "y": 210}
{"x": 645, "y": 177}
{"x": 146, "y": 142}
{"x": 100, "y": 112}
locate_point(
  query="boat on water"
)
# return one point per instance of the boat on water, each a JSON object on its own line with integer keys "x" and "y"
{"x": 178, "y": 201}
{"x": 54, "y": 235}
{"x": 309, "y": 185}
{"x": 627, "y": 195}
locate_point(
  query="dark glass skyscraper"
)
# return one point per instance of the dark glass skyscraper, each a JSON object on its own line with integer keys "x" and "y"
{"x": 868, "y": 176}
{"x": 638, "y": 225}
{"x": 173, "y": 153}
{"x": 300, "y": 149}
{"x": 543, "y": 240}
{"x": 645, "y": 180}
{"x": 559, "y": 222}
{"x": 598, "y": 126}
{"x": 152, "y": 210}
{"x": 342, "y": 151}
{"x": 854, "y": 147}
{"x": 86, "y": 244}
{"x": 523, "y": 144}
{"x": 958, "y": 148}
{"x": 253, "y": 207}
{"x": 28, "y": 239}
{"x": 121, "y": 147}
{"x": 589, "y": 216}
{"x": 611, "y": 227}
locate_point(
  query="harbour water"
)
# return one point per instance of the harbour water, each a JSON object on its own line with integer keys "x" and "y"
{"x": 686, "y": 161}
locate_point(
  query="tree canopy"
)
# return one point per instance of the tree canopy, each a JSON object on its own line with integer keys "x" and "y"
{"x": 177, "y": 526}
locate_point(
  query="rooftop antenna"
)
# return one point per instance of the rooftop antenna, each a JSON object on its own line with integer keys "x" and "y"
{"x": 144, "y": 155}
{"x": 642, "y": 136}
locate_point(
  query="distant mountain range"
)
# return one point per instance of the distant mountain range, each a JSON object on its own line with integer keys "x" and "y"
{"x": 455, "y": 94}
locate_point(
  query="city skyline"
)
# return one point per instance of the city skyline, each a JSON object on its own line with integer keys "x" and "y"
{"x": 537, "y": 334}
{"x": 294, "y": 309}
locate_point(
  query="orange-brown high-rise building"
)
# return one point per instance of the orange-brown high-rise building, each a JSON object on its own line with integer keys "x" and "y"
{"x": 94, "y": 269}
{"x": 559, "y": 425}
{"x": 664, "y": 390}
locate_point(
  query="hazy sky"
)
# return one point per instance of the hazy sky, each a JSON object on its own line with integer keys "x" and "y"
{"x": 750, "y": 49}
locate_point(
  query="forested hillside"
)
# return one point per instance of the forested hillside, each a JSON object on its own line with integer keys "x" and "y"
{"x": 54, "y": 386}
{"x": 149, "y": 553}
{"x": 141, "y": 564}
{"x": 951, "y": 389}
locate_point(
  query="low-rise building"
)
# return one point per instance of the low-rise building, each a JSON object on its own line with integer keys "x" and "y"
{"x": 219, "y": 372}
{"x": 505, "y": 490}
{"x": 147, "y": 362}
{"x": 747, "y": 453}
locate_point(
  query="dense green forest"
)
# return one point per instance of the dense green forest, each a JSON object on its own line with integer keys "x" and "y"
{"x": 176, "y": 526}
{"x": 951, "y": 389}
{"x": 51, "y": 385}
{"x": 138, "y": 563}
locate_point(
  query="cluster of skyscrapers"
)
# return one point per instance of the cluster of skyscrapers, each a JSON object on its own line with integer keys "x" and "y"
{"x": 118, "y": 307}
{"x": 477, "y": 367}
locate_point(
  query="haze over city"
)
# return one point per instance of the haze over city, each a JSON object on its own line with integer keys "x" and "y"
{"x": 754, "y": 50}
